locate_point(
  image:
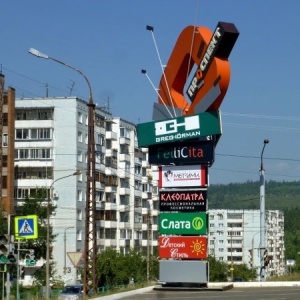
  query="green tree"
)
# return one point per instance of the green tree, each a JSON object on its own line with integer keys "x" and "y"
{"x": 115, "y": 268}
{"x": 217, "y": 270}
{"x": 244, "y": 272}
{"x": 3, "y": 221}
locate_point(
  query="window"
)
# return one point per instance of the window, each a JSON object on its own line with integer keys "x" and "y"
{"x": 5, "y": 140}
{"x": 79, "y": 215}
{"x": 100, "y": 139}
{"x": 234, "y": 216}
{"x": 22, "y": 134}
{"x": 124, "y": 132}
{"x": 79, "y": 156}
{"x": 137, "y": 218}
{"x": 80, "y": 136}
{"x": 79, "y": 117}
{"x": 79, "y": 235}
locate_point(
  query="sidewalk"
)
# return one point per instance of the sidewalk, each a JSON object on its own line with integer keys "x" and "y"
{"x": 220, "y": 286}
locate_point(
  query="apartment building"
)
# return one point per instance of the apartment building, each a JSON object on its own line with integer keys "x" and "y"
{"x": 234, "y": 237}
{"x": 51, "y": 144}
{"x": 7, "y": 124}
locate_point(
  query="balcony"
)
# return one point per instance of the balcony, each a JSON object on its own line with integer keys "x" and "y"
{"x": 124, "y": 157}
{"x": 124, "y": 191}
{"x": 111, "y": 153}
{"x": 110, "y": 189}
{"x": 110, "y": 135}
{"x": 123, "y": 208}
{"x": 138, "y": 193}
{"x": 100, "y": 205}
{"x": 124, "y": 141}
{"x": 124, "y": 242}
{"x": 124, "y": 225}
{"x": 123, "y": 174}
{"x": 110, "y": 171}
{"x": 138, "y": 226}
{"x": 111, "y": 206}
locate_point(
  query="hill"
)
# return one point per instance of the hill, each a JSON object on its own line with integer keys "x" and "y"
{"x": 278, "y": 195}
{"x": 283, "y": 196}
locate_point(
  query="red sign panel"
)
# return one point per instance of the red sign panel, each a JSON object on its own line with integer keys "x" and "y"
{"x": 183, "y": 176}
{"x": 177, "y": 247}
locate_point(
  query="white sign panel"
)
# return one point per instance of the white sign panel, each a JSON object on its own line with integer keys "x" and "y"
{"x": 183, "y": 176}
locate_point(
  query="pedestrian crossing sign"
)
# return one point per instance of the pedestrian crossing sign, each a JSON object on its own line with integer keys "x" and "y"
{"x": 26, "y": 227}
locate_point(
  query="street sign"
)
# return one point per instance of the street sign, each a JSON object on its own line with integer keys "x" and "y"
{"x": 75, "y": 258}
{"x": 189, "y": 152}
{"x": 183, "y": 176}
{"x": 183, "y": 223}
{"x": 183, "y": 200}
{"x": 179, "y": 129}
{"x": 26, "y": 227}
{"x": 177, "y": 247}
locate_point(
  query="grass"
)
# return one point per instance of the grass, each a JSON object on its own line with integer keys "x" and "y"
{"x": 289, "y": 277}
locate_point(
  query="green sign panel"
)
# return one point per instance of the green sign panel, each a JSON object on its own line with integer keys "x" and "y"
{"x": 178, "y": 129}
{"x": 183, "y": 223}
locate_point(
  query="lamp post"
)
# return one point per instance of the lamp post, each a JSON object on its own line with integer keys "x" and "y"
{"x": 90, "y": 243}
{"x": 48, "y": 233}
{"x": 262, "y": 214}
{"x": 65, "y": 249}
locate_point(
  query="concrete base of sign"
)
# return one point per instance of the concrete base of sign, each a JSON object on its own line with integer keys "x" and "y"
{"x": 207, "y": 287}
{"x": 184, "y": 272}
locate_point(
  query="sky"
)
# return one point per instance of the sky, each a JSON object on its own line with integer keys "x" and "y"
{"x": 107, "y": 40}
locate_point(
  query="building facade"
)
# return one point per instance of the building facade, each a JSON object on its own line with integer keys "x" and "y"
{"x": 7, "y": 125}
{"x": 51, "y": 144}
{"x": 234, "y": 237}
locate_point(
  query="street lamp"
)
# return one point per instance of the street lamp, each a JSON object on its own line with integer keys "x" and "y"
{"x": 48, "y": 233}
{"x": 90, "y": 246}
{"x": 262, "y": 214}
{"x": 65, "y": 249}
{"x": 231, "y": 267}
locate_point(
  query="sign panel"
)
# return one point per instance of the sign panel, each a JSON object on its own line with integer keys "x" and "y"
{"x": 26, "y": 227}
{"x": 182, "y": 247}
{"x": 194, "y": 271}
{"x": 183, "y": 200}
{"x": 182, "y": 153}
{"x": 179, "y": 129}
{"x": 183, "y": 176}
{"x": 183, "y": 223}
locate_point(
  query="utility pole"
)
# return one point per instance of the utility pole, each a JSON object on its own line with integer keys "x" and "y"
{"x": 149, "y": 237}
{"x": 262, "y": 215}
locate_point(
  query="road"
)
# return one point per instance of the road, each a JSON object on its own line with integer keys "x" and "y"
{"x": 262, "y": 293}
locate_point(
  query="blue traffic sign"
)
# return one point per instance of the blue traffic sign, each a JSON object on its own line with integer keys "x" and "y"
{"x": 26, "y": 227}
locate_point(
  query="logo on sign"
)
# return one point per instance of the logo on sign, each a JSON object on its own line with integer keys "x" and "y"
{"x": 171, "y": 126}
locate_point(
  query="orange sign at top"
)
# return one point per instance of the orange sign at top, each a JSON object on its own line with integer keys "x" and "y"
{"x": 206, "y": 54}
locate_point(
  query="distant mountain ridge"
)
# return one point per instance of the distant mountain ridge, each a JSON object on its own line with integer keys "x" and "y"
{"x": 283, "y": 196}
{"x": 278, "y": 195}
